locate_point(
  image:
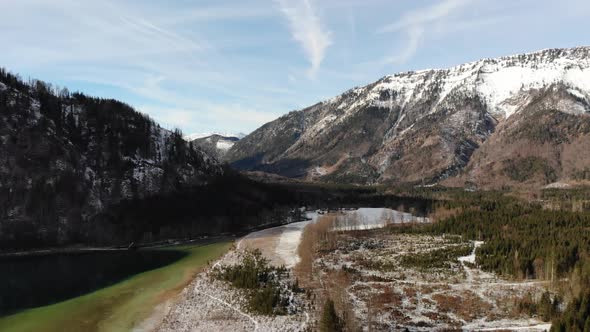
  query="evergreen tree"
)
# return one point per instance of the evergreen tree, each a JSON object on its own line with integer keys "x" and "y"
{"x": 330, "y": 322}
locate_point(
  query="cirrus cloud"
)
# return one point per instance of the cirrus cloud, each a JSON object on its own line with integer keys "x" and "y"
{"x": 307, "y": 29}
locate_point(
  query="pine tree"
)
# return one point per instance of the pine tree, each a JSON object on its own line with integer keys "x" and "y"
{"x": 330, "y": 322}
{"x": 546, "y": 307}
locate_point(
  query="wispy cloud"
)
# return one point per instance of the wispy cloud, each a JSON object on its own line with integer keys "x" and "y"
{"x": 220, "y": 13}
{"x": 416, "y": 23}
{"x": 423, "y": 16}
{"x": 306, "y": 28}
{"x": 226, "y": 65}
{"x": 414, "y": 36}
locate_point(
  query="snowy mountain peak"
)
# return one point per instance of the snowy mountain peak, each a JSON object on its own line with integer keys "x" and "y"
{"x": 418, "y": 124}
{"x": 497, "y": 81}
{"x": 216, "y": 144}
{"x": 192, "y": 137}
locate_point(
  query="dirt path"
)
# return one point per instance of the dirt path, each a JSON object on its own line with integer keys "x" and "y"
{"x": 471, "y": 260}
{"x": 480, "y": 283}
{"x": 234, "y": 308}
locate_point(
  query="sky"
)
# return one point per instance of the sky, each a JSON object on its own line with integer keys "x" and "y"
{"x": 231, "y": 66}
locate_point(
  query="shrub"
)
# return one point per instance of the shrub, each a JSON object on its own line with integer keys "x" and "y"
{"x": 260, "y": 281}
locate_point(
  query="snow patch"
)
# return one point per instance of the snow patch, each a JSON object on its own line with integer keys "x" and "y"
{"x": 557, "y": 185}
{"x": 224, "y": 145}
{"x": 471, "y": 257}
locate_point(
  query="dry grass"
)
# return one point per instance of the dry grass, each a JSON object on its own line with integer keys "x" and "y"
{"x": 316, "y": 237}
{"x": 465, "y": 305}
{"x": 359, "y": 270}
{"x": 442, "y": 212}
{"x": 386, "y": 298}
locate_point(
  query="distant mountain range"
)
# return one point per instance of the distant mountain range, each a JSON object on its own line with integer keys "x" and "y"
{"x": 515, "y": 121}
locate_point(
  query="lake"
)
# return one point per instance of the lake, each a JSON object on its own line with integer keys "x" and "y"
{"x": 36, "y": 280}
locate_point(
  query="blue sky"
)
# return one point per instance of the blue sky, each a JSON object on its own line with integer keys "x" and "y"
{"x": 231, "y": 66}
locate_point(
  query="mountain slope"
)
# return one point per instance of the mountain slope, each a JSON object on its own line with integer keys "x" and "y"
{"x": 215, "y": 145}
{"x": 66, "y": 158}
{"x": 547, "y": 141}
{"x": 420, "y": 127}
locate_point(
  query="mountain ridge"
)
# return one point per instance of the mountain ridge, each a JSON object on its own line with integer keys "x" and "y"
{"x": 448, "y": 113}
{"x": 194, "y": 136}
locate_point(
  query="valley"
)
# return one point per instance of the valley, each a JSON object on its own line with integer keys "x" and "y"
{"x": 378, "y": 279}
{"x": 433, "y": 200}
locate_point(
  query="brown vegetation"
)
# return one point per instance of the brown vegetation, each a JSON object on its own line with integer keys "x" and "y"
{"x": 316, "y": 237}
{"x": 443, "y": 212}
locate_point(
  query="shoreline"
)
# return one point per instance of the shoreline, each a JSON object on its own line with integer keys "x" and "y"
{"x": 202, "y": 241}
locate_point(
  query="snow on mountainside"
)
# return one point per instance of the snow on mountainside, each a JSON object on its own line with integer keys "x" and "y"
{"x": 415, "y": 126}
{"x": 496, "y": 81}
{"x": 224, "y": 145}
{"x": 216, "y": 145}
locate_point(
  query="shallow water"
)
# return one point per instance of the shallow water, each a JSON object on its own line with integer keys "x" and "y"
{"x": 346, "y": 220}
{"x": 36, "y": 280}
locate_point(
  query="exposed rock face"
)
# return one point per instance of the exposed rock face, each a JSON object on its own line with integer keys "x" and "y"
{"x": 548, "y": 141}
{"x": 430, "y": 125}
{"x": 65, "y": 158}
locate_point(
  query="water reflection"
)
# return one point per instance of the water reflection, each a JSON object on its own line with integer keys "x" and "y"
{"x": 37, "y": 280}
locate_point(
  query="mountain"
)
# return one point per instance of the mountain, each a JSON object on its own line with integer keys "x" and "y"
{"x": 66, "y": 158}
{"x": 192, "y": 137}
{"x": 215, "y": 144}
{"x": 510, "y": 121}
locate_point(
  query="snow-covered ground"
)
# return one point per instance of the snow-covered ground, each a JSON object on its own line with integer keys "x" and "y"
{"x": 393, "y": 296}
{"x": 471, "y": 258}
{"x": 289, "y": 242}
{"x": 208, "y": 304}
{"x": 360, "y": 219}
{"x": 380, "y": 290}
{"x": 370, "y": 218}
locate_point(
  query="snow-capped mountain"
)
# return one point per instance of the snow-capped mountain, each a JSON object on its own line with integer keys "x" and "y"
{"x": 192, "y": 137}
{"x": 216, "y": 145}
{"x": 423, "y": 126}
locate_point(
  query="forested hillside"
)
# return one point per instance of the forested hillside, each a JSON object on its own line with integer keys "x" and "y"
{"x": 66, "y": 157}
{"x": 547, "y": 239}
{"x": 81, "y": 170}
{"x": 233, "y": 204}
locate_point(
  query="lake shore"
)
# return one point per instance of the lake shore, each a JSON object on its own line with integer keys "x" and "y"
{"x": 122, "y": 306}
